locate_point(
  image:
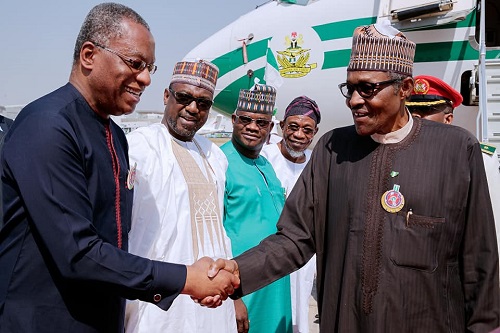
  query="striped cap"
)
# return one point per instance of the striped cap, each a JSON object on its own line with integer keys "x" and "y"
{"x": 380, "y": 47}
{"x": 259, "y": 100}
{"x": 303, "y": 106}
{"x": 201, "y": 74}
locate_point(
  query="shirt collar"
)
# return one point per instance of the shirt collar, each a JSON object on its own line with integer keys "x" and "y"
{"x": 396, "y": 136}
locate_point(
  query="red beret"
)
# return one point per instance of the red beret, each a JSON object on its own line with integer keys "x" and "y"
{"x": 430, "y": 90}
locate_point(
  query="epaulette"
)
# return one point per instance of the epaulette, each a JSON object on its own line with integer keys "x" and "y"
{"x": 488, "y": 149}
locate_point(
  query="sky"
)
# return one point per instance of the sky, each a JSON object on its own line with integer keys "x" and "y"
{"x": 38, "y": 37}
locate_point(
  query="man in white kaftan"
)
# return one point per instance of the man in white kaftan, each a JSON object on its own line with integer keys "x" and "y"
{"x": 288, "y": 158}
{"x": 178, "y": 200}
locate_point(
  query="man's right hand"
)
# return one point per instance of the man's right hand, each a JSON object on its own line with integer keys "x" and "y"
{"x": 219, "y": 267}
{"x": 230, "y": 266}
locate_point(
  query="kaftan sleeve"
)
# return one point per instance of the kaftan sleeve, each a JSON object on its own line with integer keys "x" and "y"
{"x": 479, "y": 257}
{"x": 302, "y": 216}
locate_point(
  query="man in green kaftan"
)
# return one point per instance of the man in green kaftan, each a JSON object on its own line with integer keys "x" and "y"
{"x": 253, "y": 202}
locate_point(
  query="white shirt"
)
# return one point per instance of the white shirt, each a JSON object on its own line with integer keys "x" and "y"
{"x": 161, "y": 229}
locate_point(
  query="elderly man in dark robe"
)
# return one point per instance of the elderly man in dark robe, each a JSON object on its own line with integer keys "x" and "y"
{"x": 396, "y": 208}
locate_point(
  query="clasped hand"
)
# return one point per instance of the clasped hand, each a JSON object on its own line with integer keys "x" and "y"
{"x": 210, "y": 282}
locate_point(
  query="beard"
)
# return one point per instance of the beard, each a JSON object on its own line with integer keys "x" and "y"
{"x": 183, "y": 132}
{"x": 293, "y": 153}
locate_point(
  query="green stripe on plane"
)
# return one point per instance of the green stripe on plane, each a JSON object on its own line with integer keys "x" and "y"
{"x": 425, "y": 52}
{"x": 227, "y": 99}
{"x": 449, "y": 51}
{"x": 337, "y": 58}
{"x": 234, "y": 59}
{"x": 445, "y": 51}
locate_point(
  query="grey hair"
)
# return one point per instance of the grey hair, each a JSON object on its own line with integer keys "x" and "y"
{"x": 399, "y": 77}
{"x": 103, "y": 23}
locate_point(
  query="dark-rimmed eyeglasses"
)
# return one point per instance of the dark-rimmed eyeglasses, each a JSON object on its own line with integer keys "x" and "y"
{"x": 135, "y": 64}
{"x": 364, "y": 89}
{"x": 203, "y": 104}
{"x": 245, "y": 120}
{"x": 295, "y": 128}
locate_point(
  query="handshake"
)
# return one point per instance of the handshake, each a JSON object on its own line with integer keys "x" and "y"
{"x": 210, "y": 282}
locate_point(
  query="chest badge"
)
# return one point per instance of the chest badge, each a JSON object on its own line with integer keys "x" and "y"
{"x": 392, "y": 200}
{"x": 131, "y": 177}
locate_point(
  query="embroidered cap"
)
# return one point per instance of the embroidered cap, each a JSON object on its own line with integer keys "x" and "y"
{"x": 430, "y": 90}
{"x": 303, "y": 106}
{"x": 260, "y": 99}
{"x": 200, "y": 73}
{"x": 380, "y": 47}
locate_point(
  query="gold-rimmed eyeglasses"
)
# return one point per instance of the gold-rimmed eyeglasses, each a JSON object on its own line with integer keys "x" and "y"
{"x": 135, "y": 64}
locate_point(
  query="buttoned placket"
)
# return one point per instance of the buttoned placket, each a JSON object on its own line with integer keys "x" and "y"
{"x": 116, "y": 176}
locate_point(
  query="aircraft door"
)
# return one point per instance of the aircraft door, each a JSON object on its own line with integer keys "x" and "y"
{"x": 492, "y": 24}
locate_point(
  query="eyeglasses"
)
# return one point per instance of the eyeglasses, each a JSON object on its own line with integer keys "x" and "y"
{"x": 203, "y": 104}
{"x": 245, "y": 120}
{"x": 364, "y": 89}
{"x": 295, "y": 128}
{"x": 135, "y": 64}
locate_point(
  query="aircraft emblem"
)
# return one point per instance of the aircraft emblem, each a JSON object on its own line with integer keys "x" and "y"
{"x": 293, "y": 61}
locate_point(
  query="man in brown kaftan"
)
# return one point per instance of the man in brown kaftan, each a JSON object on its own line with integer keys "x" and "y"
{"x": 396, "y": 209}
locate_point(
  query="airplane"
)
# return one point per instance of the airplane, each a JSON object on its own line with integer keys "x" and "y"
{"x": 306, "y": 45}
